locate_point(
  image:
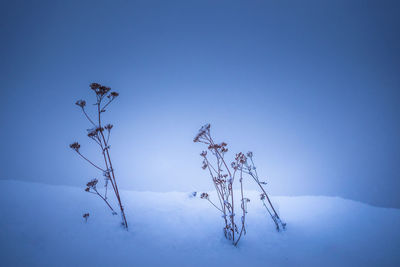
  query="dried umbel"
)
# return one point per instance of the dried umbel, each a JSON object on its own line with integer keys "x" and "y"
{"x": 108, "y": 127}
{"x": 113, "y": 95}
{"x": 101, "y": 134}
{"x": 202, "y": 135}
{"x": 75, "y": 146}
{"x": 99, "y": 89}
{"x": 91, "y": 185}
{"x": 223, "y": 179}
{"x": 81, "y": 103}
{"x": 204, "y": 196}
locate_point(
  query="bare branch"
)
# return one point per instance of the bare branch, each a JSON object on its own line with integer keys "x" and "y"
{"x": 79, "y": 153}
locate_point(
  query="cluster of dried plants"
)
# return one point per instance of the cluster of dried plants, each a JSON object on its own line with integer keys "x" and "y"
{"x": 100, "y": 135}
{"x": 223, "y": 177}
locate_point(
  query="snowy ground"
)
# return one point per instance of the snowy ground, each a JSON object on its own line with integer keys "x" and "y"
{"x": 42, "y": 225}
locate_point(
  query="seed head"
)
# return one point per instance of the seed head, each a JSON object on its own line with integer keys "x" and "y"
{"x": 241, "y": 158}
{"x": 75, "y": 146}
{"x": 234, "y": 165}
{"x": 202, "y": 132}
{"x": 99, "y": 89}
{"x": 94, "y": 86}
{"x": 204, "y": 196}
{"x": 81, "y": 103}
{"x": 108, "y": 127}
{"x": 113, "y": 95}
{"x": 91, "y": 185}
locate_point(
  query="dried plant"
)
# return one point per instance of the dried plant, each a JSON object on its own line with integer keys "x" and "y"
{"x": 223, "y": 178}
{"x": 249, "y": 168}
{"x": 100, "y": 135}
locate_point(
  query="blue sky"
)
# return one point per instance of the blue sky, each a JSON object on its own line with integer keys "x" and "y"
{"x": 312, "y": 88}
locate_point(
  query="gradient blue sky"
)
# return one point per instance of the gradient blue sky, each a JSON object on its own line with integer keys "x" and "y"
{"x": 311, "y": 87}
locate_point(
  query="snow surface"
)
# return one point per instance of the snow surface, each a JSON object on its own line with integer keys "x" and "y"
{"x": 42, "y": 225}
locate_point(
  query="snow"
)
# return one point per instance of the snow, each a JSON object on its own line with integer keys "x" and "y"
{"x": 42, "y": 225}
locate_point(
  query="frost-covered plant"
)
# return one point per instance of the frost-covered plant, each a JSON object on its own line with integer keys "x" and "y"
{"x": 101, "y": 134}
{"x": 249, "y": 168}
{"x": 223, "y": 178}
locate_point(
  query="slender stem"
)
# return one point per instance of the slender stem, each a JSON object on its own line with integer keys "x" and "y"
{"x": 275, "y": 217}
{"x": 232, "y": 213}
{"x": 108, "y": 135}
{"x": 107, "y": 104}
{"x": 212, "y": 167}
{"x": 111, "y": 167}
{"x": 96, "y": 141}
{"x": 105, "y": 200}
{"x": 243, "y": 209}
{"x": 258, "y": 182}
{"x": 216, "y": 187}
{"x": 106, "y": 163}
{"x": 87, "y": 116}
{"x": 267, "y": 209}
{"x": 255, "y": 169}
{"x": 89, "y": 161}
{"x": 116, "y": 188}
{"x": 214, "y": 205}
{"x": 106, "y": 186}
{"x": 266, "y": 195}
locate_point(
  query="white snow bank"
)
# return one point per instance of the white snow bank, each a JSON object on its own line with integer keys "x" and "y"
{"x": 42, "y": 225}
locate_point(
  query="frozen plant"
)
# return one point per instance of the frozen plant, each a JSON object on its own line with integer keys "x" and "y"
{"x": 100, "y": 134}
{"x": 249, "y": 168}
{"x": 223, "y": 177}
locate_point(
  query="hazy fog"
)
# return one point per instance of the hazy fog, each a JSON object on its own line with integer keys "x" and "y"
{"x": 311, "y": 87}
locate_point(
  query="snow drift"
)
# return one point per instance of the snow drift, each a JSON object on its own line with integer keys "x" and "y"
{"x": 42, "y": 225}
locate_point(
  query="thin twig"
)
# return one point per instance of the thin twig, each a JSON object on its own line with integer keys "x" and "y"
{"x": 87, "y": 116}
{"x": 89, "y": 161}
